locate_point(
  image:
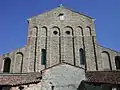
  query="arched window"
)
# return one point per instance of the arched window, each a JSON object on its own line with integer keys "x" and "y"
{"x": 68, "y": 30}
{"x": 7, "y": 63}
{"x": 61, "y": 16}
{"x": 55, "y": 30}
{"x": 79, "y": 31}
{"x": 117, "y": 62}
{"x": 68, "y": 43}
{"x": 88, "y": 29}
{"x": 43, "y": 57}
{"x": 106, "y": 60}
{"x": 82, "y": 56}
{"x": 19, "y": 61}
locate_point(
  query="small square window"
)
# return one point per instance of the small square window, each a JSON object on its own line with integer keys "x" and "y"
{"x": 61, "y": 16}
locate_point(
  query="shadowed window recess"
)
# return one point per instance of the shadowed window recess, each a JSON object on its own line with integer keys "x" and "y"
{"x": 55, "y": 32}
{"x": 117, "y": 62}
{"x": 7, "y": 63}
{"x": 61, "y": 16}
{"x": 82, "y": 56}
{"x": 43, "y": 57}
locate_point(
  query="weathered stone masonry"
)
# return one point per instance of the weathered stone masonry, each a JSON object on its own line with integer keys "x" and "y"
{"x": 59, "y": 36}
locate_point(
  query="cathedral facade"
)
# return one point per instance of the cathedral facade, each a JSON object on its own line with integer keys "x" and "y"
{"x": 60, "y": 53}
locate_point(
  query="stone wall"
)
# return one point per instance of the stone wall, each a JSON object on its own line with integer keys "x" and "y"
{"x": 62, "y": 77}
{"x": 106, "y": 60}
{"x": 61, "y": 33}
{"x": 17, "y": 59}
{"x": 74, "y": 32}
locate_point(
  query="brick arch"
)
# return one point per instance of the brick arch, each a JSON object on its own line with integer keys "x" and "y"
{"x": 87, "y": 31}
{"x": 36, "y": 27}
{"x": 55, "y": 45}
{"x": 19, "y": 59}
{"x": 106, "y": 60}
{"x": 7, "y": 64}
{"x": 89, "y": 28}
{"x": 43, "y": 32}
{"x": 68, "y": 42}
{"x": 68, "y": 28}
{"x": 79, "y": 30}
{"x": 55, "y": 29}
{"x": 32, "y": 41}
{"x": 81, "y": 43}
{"x": 35, "y": 31}
{"x": 35, "y": 43}
{"x": 20, "y": 53}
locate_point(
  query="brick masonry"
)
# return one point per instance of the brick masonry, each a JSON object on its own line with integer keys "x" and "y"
{"x": 62, "y": 39}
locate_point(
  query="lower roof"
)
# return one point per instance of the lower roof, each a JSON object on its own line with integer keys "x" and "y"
{"x": 107, "y": 77}
{"x": 19, "y": 79}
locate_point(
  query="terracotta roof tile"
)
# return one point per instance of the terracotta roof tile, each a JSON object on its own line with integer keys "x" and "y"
{"x": 110, "y": 77}
{"x": 19, "y": 79}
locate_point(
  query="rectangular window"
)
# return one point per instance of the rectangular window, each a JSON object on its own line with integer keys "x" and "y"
{"x": 82, "y": 57}
{"x": 117, "y": 62}
{"x": 43, "y": 57}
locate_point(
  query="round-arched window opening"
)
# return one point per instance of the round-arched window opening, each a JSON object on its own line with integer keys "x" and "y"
{"x": 55, "y": 32}
{"x": 61, "y": 16}
{"x": 67, "y": 32}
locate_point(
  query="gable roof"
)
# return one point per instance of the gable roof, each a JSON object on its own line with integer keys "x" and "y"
{"x": 108, "y": 77}
{"x": 63, "y": 7}
{"x": 78, "y": 12}
{"x": 63, "y": 63}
